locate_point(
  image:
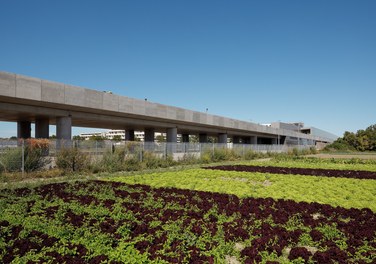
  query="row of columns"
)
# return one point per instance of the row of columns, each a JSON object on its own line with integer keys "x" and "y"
{"x": 64, "y": 131}
{"x": 63, "y": 128}
{"x": 203, "y": 138}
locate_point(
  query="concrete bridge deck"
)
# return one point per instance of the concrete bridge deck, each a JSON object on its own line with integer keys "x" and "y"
{"x": 26, "y": 100}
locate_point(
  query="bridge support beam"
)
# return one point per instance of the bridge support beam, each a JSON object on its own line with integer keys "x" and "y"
{"x": 42, "y": 127}
{"x": 222, "y": 138}
{"x": 23, "y": 129}
{"x": 129, "y": 135}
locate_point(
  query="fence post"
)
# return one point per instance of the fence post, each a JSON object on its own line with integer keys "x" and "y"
{"x": 23, "y": 158}
{"x": 96, "y": 149}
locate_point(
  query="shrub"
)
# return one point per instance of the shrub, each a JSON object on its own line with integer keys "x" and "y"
{"x": 251, "y": 155}
{"x": 313, "y": 150}
{"x": 113, "y": 161}
{"x": 132, "y": 163}
{"x": 71, "y": 160}
{"x": 11, "y": 160}
{"x": 35, "y": 156}
{"x": 152, "y": 161}
{"x": 36, "y": 152}
{"x": 339, "y": 146}
{"x": 188, "y": 159}
{"x": 206, "y": 157}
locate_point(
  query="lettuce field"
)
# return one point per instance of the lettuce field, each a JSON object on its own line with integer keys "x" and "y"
{"x": 216, "y": 215}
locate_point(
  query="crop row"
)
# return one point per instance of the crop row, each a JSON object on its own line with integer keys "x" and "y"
{"x": 113, "y": 222}
{"x": 356, "y": 174}
{"x": 317, "y": 163}
{"x": 345, "y": 192}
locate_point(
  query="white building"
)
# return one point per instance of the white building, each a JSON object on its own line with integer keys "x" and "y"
{"x": 139, "y": 135}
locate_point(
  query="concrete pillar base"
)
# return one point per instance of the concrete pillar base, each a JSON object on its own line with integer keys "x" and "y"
{"x": 23, "y": 129}
{"x": 129, "y": 135}
{"x": 172, "y": 135}
{"x": 222, "y": 138}
{"x": 149, "y": 135}
{"x": 236, "y": 139}
{"x": 254, "y": 140}
{"x": 185, "y": 138}
{"x": 203, "y": 138}
{"x": 64, "y": 131}
{"x": 42, "y": 128}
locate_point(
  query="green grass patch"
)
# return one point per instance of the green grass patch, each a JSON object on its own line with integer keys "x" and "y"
{"x": 316, "y": 163}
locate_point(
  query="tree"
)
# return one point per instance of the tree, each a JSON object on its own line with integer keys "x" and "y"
{"x": 362, "y": 140}
{"x": 97, "y": 138}
{"x": 371, "y": 133}
{"x": 117, "y": 138}
{"x": 350, "y": 139}
{"x": 160, "y": 138}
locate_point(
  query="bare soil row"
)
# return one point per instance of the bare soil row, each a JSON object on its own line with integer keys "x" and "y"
{"x": 357, "y": 174}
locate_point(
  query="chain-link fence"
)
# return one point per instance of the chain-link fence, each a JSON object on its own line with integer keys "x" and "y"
{"x": 35, "y": 154}
{"x": 11, "y": 156}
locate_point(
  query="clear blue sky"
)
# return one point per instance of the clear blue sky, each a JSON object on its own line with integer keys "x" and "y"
{"x": 259, "y": 61}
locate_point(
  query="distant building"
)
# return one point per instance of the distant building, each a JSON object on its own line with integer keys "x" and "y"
{"x": 139, "y": 135}
{"x": 299, "y": 127}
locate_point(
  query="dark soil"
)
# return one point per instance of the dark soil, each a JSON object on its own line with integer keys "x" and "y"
{"x": 299, "y": 171}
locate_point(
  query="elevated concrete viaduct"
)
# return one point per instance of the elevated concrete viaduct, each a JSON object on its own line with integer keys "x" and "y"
{"x": 27, "y": 100}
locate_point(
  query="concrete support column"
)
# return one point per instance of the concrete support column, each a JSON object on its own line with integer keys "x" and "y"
{"x": 236, "y": 139}
{"x": 203, "y": 138}
{"x": 63, "y": 131}
{"x": 185, "y": 138}
{"x": 222, "y": 138}
{"x": 129, "y": 135}
{"x": 23, "y": 129}
{"x": 64, "y": 127}
{"x": 149, "y": 135}
{"x": 42, "y": 128}
{"x": 172, "y": 135}
{"x": 254, "y": 140}
{"x": 274, "y": 141}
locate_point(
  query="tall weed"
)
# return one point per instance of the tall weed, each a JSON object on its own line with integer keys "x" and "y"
{"x": 71, "y": 160}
